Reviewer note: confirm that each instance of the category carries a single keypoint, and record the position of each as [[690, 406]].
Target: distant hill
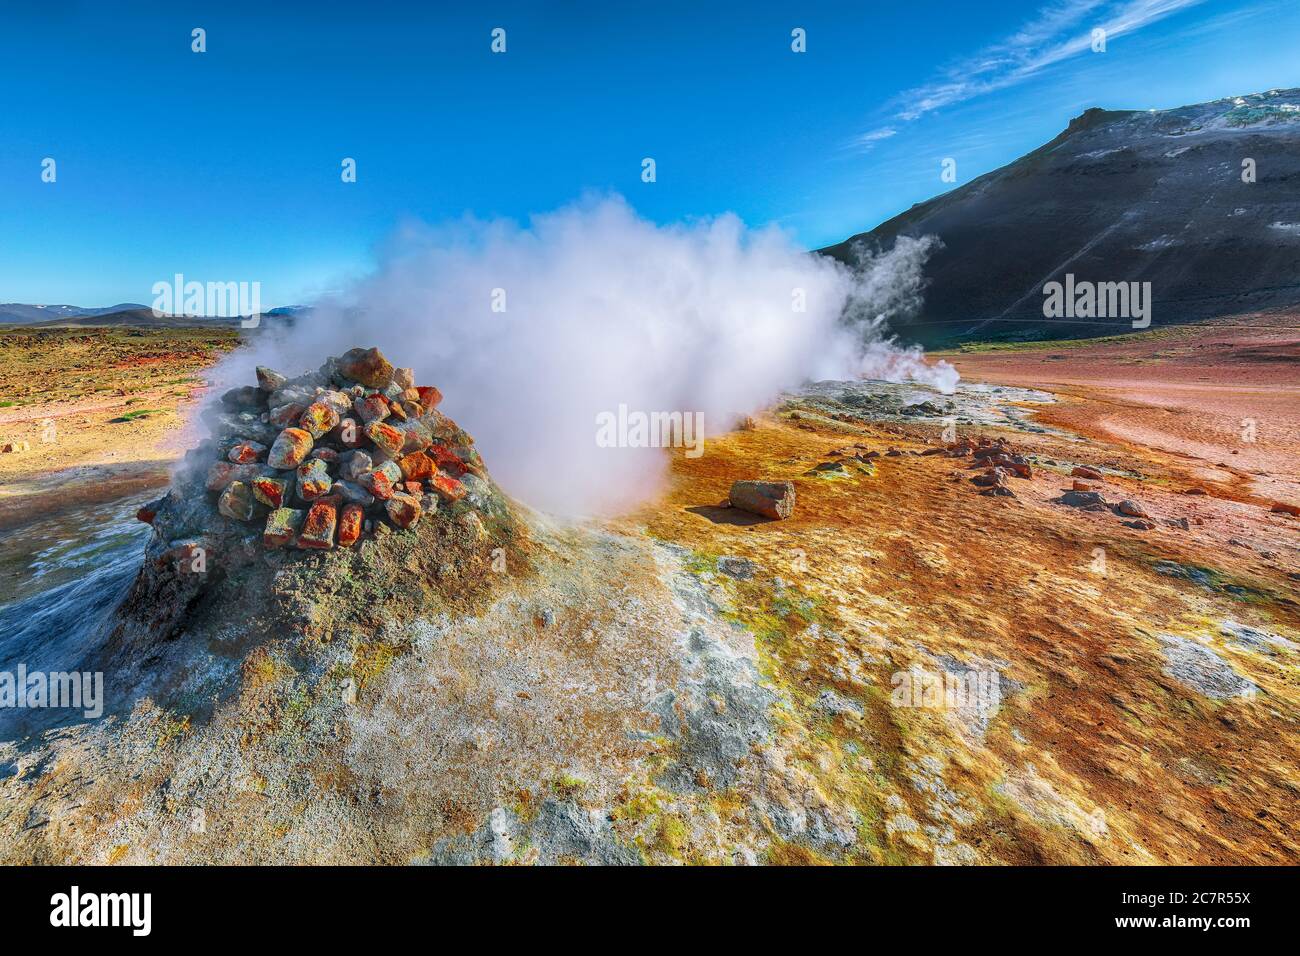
[[49, 316], [1119, 196], [142, 316], [16, 313]]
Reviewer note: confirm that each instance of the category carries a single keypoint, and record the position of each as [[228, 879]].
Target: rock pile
[[996, 461], [318, 459]]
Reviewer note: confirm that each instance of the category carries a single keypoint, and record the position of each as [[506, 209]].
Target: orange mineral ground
[[1102, 754]]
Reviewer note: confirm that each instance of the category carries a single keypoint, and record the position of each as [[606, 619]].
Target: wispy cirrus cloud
[[868, 140], [1057, 32]]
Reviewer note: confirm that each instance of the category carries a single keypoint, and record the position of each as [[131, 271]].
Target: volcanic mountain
[[1201, 201]]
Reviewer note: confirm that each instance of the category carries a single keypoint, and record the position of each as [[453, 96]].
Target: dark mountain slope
[[1119, 196]]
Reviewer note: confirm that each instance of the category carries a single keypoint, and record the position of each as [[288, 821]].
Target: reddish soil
[[1220, 401]]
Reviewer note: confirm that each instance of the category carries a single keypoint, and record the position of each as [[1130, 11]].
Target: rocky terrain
[[100, 411], [1102, 636], [1118, 196]]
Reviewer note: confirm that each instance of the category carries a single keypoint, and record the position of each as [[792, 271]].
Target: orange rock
[[417, 466], [350, 525], [246, 452], [1285, 509], [313, 479], [1083, 471], [367, 366], [291, 448], [386, 438], [447, 487], [318, 528]]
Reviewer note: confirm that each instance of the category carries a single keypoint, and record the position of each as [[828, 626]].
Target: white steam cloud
[[602, 309]]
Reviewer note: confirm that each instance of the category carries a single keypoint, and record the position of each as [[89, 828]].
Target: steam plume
[[604, 308]]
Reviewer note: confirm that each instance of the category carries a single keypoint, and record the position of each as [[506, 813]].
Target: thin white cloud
[[1057, 32], [868, 140]]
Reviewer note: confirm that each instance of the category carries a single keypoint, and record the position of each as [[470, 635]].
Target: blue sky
[[225, 165]]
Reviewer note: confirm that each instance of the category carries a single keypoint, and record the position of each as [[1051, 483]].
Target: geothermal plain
[[686, 683]]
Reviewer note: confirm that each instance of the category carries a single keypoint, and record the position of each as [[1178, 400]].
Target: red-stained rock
[[1083, 471], [146, 514], [350, 525], [413, 488], [318, 419], [403, 509], [1282, 508], [382, 481], [447, 487], [270, 491], [386, 438], [429, 397], [446, 459], [328, 455], [313, 479], [246, 452], [291, 449], [318, 527], [367, 366], [417, 466]]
